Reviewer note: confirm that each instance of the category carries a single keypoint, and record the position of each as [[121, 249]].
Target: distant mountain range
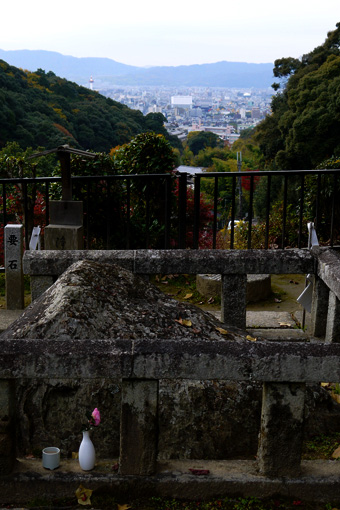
[[110, 72]]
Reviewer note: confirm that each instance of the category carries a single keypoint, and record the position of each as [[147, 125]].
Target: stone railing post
[[281, 434], [7, 430], [333, 319], [138, 427], [233, 299], [319, 307], [13, 267]]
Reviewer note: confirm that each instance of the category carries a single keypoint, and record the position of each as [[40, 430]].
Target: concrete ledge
[[319, 481], [55, 262], [243, 360], [328, 268]]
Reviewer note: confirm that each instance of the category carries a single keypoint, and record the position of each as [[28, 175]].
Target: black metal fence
[[169, 211]]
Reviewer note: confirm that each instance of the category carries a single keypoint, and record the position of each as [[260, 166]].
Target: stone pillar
[[7, 429], [138, 427], [65, 231], [281, 434], [13, 267], [234, 299], [63, 237], [319, 308], [333, 319]]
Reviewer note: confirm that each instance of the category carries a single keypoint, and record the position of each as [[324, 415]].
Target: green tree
[[147, 153], [198, 140], [304, 125]]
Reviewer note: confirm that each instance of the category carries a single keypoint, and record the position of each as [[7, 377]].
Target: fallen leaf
[[184, 322], [187, 323], [222, 331], [187, 296], [165, 283], [199, 472], [74, 455], [285, 324], [164, 278], [251, 338], [83, 495], [123, 507], [196, 330], [115, 467], [30, 456], [336, 397], [336, 453], [211, 300], [325, 384], [277, 300]]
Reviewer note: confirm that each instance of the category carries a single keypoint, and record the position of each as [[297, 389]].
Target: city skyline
[[182, 33]]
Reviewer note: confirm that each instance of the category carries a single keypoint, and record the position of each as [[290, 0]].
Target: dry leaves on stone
[[222, 331], [251, 338], [285, 324], [83, 495], [184, 322]]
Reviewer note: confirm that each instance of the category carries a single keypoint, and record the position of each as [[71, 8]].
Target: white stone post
[[13, 267]]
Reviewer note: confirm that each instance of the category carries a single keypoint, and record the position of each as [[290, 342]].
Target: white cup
[[51, 457]]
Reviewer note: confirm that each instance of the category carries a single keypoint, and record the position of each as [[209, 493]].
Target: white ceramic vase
[[87, 454]]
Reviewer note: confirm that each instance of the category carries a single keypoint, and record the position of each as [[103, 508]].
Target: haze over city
[[151, 33]]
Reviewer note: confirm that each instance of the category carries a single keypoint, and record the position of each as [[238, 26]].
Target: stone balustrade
[[284, 368]]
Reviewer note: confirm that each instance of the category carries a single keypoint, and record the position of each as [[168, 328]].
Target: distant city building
[[255, 113], [155, 109], [181, 101]]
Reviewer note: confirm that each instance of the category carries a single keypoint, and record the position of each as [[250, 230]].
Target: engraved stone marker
[[13, 267]]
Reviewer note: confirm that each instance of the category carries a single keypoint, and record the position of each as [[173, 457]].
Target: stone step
[[258, 286]]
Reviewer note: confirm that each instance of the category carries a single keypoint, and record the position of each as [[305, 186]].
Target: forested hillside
[[304, 128], [42, 110]]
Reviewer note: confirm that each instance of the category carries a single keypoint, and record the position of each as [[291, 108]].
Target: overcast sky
[[150, 32]]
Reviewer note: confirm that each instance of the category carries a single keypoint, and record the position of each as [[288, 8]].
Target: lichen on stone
[[99, 301]]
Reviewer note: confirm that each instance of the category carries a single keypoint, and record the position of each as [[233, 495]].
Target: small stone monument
[[65, 231], [13, 267]]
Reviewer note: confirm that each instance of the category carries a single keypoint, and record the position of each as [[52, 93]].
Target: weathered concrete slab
[[318, 481], [266, 320], [181, 358], [280, 335], [258, 286], [328, 267], [172, 261], [56, 262]]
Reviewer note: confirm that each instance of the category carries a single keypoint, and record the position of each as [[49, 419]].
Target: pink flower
[[96, 416]]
